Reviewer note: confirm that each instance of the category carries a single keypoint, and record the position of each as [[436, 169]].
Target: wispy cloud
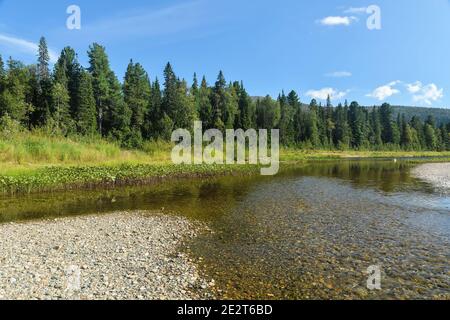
[[24, 46], [324, 93], [337, 21], [348, 17], [357, 10], [152, 22], [385, 91], [339, 74]]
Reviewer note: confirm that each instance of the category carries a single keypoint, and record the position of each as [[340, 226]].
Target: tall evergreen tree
[[387, 134], [287, 129], [42, 111], [137, 91], [61, 108], [195, 88], [219, 102], [204, 105], [2, 71], [68, 72], [100, 71], [342, 133], [376, 128], [43, 60], [171, 98], [154, 124], [312, 127], [330, 124], [86, 116]]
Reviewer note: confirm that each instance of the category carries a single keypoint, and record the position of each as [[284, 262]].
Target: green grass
[[27, 148], [31, 162], [67, 178], [292, 155]]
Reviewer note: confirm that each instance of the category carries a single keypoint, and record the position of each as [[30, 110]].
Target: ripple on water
[[310, 232]]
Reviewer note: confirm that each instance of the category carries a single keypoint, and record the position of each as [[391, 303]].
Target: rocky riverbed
[[126, 255], [437, 174]]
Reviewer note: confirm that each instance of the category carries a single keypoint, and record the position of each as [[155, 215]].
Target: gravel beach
[[437, 174], [126, 255]]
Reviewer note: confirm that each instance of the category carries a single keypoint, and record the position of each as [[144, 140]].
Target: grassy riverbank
[[35, 162]]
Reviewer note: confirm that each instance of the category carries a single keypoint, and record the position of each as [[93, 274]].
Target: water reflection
[[309, 232]]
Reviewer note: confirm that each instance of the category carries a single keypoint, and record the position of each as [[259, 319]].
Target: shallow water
[[310, 232]]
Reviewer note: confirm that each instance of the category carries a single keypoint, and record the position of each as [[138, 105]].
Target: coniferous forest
[[73, 100]]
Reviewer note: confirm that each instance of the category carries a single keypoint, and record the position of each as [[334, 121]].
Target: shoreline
[[436, 174], [122, 255], [50, 178]]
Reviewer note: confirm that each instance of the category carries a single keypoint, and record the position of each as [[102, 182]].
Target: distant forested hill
[[441, 115]]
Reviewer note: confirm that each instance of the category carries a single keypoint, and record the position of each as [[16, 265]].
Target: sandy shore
[[437, 174], [117, 256]]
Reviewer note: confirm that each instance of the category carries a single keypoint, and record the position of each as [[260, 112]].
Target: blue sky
[[315, 47]]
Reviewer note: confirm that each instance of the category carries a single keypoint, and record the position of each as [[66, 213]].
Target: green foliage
[[86, 118], [67, 178], [74, 101], [267, 113], [136, 89]]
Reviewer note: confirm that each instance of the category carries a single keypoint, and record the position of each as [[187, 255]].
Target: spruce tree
[[2, 81], [68, 72], [219, 102], [288, 110], [356, 121], [2, 72], [137, 90], [246, 116], [42, 111], [171, 98], [61, 108], [86, 112], [204, 105], [342, 136], [185, 114], [312, 128], [376, 127], [194, 88], [330, 124], [100, 71], [388, 133], [43, 60], [118, 116], [154, 123], [430, 137]]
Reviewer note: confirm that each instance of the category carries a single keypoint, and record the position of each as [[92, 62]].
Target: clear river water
[[310, 232]]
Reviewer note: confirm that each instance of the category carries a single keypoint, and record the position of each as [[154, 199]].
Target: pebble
[[105, 262]]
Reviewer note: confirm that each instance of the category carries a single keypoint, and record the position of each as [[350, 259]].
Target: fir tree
[[86, 112], [204, 105], [136, 89]]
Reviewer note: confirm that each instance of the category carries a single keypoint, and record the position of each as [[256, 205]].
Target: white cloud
[[359, 10], [25, 46], [425, 94], [323, 94], [337, 21], [145, 22], [385, 91], [414, 87], [339, 74]]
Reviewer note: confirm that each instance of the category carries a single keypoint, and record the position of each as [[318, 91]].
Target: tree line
[[91, 101]]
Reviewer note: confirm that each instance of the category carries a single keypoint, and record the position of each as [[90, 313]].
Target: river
[[311, 232]]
